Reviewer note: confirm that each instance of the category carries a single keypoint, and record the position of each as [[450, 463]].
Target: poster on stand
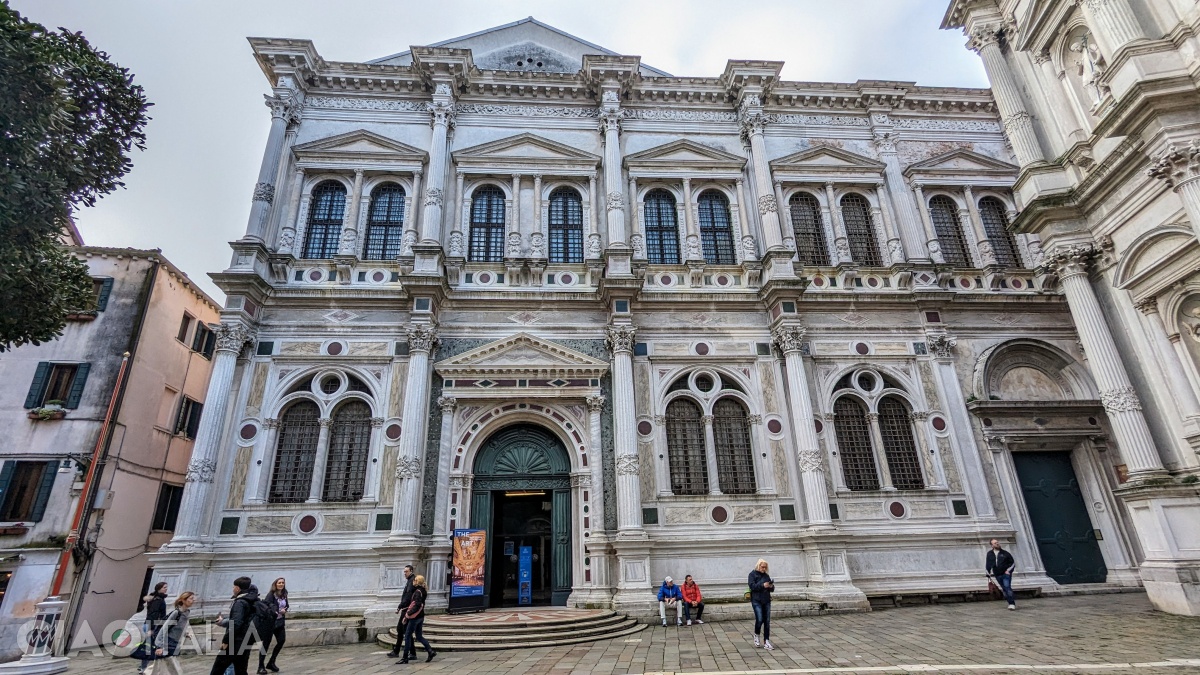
[[467, 592]]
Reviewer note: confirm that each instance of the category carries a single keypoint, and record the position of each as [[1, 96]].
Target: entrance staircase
[[516, 629]]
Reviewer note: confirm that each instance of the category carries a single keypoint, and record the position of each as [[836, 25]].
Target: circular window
[[862, 349], [308, 524], [939, 423], [644, 428], [704, 382], [331, 383], [720, 514], [896, 509], [334, 348], [247, 432], [702, 350], [392, 432], [774, 426], [866, 382]]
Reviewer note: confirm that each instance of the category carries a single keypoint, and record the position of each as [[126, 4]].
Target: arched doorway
[[521, 494]]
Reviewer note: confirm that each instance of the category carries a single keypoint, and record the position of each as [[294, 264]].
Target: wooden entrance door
[[1066, 539]]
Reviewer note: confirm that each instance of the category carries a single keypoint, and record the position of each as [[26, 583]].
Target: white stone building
[[649, 325]]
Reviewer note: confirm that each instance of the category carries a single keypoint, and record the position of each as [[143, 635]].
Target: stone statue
[[1090, 67]]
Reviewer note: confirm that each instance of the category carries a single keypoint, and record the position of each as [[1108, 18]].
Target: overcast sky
[[189, 192]]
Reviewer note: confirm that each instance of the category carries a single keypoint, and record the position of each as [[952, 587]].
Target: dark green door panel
[[1066, 539]]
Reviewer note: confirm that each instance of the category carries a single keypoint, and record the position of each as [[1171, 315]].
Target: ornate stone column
[[932, 245], [442, 115], [629, 484], [1018, 124], [411, 227], [537, 240], [317, 484], [283, 108], [749, 248], [374, 461], [441, 504], [261, 471], [202, 469], [457, 245], [841, 241], [987, 253], [1116, 392], [893, 246], [909, 234], [610, 128], [410, 471], [514, 226], [349, 243], [1180, 168], [753, 121], [692, 248], [885, 469], [789, 339], [595, 406], [710, 455], [287, 232], [594, 244], [941, 347], [1113, 21]]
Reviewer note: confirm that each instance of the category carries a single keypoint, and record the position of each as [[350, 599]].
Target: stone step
[[508, 629], [469, 619], [562, 632], [529, 642], [513, 629]]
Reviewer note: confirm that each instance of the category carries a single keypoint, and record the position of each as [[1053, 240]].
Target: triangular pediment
[[522, 355], [684, 153], [524, 150], [361, 144], [823, 157], [963, 161]]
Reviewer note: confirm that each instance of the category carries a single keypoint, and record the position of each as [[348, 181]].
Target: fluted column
[[593, 248], [282, 109], [349, 243], [908, 228], [441, 503], [629, 484], [514, 225], [595, 406], [841, 241], [932, 245], [1113, 21], [441, 117], [610, 127], [411, 220], [457, 246], [1180, 168], [789, 338], [287, 233], [749, 249], [410, 465], [1117, 394], [753, 121], [893, 246], [987, 253], [202, 469], [1018, 124], [1183, 395], [537, 240], [317, 481], [692, 246]]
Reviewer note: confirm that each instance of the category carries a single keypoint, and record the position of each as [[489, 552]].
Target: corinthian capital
[[595, 403], [231, 337], [610, 119], [789, 338], [1176, 165], [422, 337], [282, 107], [441, 112], [984, 35], [447, 404], [620, 338], [941, 345], [751, 117], [1068, 260]]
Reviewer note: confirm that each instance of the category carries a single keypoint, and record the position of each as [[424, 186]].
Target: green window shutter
[[6, 474], [105, 291], [43, 493], [81, 374], [193, 427], [38, 387]]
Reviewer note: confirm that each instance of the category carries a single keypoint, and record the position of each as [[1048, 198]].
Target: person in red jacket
[[692, 600]]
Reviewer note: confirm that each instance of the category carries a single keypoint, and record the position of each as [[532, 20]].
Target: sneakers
[[768, 646], [664, 623], [689, 622], [678, 622], [756, 642], [1012, 606], [699, 621]]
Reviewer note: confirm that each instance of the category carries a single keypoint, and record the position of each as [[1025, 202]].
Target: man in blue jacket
[[669, 595]]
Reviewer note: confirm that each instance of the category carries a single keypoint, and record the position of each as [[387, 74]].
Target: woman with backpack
[[277, 599], [414, 620], [170, 637], [761, 587]]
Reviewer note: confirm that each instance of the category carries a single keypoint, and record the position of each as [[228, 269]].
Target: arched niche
[[1030, 370]]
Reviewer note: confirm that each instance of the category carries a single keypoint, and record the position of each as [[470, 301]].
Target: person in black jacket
[[761, 587], [156, 612], [277, 598], [237, 643], [414, 619], [1000, 564], [405, 600]]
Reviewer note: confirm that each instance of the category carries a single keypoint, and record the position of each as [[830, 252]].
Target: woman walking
[[170, 637], [414, 620], [761, 587], [277, 598]]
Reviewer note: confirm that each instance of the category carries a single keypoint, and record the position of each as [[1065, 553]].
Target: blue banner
[[525, 576]]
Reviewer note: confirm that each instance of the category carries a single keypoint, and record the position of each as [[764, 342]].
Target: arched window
[[662, 228], [899, 446], [735, 457], [856, 216], [487, 225], [685, 448], [349, 446], [716, 231], [566, 226], [385, 223], [854, 441], [326, 208], [808, 229], [946, 224], [295, 454], [995, 226]]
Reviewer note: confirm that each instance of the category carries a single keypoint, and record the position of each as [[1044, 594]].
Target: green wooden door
[[1065, 537]]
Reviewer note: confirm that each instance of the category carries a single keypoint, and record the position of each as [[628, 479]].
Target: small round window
[[866, 382], [330, 384], [704, 383]]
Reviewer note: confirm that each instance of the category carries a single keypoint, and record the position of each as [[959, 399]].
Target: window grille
[[898, 445], [716, 230], [685, 449], [327, 207], [385, 223], [854, 442], [487, 225], [662, 228], [566, 226], [299, 429], [735, 457], [995, 226], [809, 230], [946, 224], [349, 445], [856, 216]]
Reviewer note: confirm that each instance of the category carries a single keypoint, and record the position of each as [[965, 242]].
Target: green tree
[[69, 119]]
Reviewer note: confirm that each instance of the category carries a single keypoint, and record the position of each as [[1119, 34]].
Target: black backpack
[[263, 619]]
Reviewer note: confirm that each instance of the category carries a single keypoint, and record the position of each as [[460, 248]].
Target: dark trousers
[[412, 631], [223, 661], [762, 618], [1004, 581], [687, 611], [278, 636], [400, 630]]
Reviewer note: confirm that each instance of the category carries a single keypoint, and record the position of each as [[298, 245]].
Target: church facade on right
[[1099, 99]]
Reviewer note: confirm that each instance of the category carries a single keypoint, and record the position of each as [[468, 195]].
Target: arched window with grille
[[295, 453], [686, 454], [662, 228], [856, 216], [854, 443], [899, 446], [349, 447], [326, 208], [487, 225], [735, 456], [948, 227], [385, 223], [716, 229], [566, 226], [995, 226], [808, 229]]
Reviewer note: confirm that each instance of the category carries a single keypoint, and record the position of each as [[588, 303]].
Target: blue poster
[[470, 552], [525, 576]]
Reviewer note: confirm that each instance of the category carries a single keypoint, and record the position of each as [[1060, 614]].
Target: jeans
[[1004, 581], [662, 610], [687, 611], [400, 630], [279, 636], [762, 618], [412, 630]]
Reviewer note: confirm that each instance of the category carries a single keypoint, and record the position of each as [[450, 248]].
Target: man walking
[[405, 600], [237, 643], [1000, 564]]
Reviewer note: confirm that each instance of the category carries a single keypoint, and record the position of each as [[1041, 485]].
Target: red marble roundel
[[566, 278], [315, 275], [378, 276], [862, 348], [308, 524], [818, 281], [896, 509], [644, 428], [702, 349], [719, 514], [485, 278], [774, 426], [334, 348], [248, 431], [939, 423], [392, 432]]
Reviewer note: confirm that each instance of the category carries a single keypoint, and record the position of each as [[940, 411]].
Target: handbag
[[143, 652], [994, 590]]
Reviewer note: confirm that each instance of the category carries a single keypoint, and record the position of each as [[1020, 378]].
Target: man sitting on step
[[670, 596], [693, 601]]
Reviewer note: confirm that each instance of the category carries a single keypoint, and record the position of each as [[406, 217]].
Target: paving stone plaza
[[1075, 634]]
